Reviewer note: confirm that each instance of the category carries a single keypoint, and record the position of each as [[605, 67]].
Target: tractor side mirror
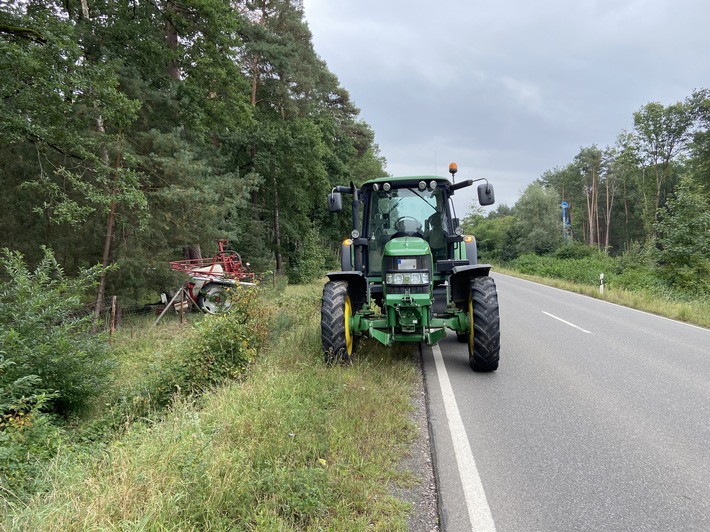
[[335, 202], [486, 196]]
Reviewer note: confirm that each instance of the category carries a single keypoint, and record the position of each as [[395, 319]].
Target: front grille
[[403, 289]]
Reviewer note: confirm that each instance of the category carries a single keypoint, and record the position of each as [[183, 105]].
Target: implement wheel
[[214, 298], [484, 325], [336, 311]]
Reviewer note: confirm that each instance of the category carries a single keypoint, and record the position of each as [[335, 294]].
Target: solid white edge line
[[479, 513], [566, 322]]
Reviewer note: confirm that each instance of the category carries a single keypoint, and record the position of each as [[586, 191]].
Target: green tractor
[[408, 271]]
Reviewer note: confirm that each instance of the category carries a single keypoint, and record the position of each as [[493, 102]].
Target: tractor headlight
[[407, 278], [394, 278]]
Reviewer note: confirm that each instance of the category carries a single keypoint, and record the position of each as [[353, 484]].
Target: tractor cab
[[407, 207], [420, 210]]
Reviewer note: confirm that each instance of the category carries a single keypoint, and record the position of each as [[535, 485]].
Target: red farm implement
[[209, 279]]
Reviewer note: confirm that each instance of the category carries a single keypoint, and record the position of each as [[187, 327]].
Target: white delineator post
[[601, 283]]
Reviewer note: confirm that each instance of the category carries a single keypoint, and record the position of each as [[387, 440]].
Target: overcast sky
[[507, 88]]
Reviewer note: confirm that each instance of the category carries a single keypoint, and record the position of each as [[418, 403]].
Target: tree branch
[[24, 33]]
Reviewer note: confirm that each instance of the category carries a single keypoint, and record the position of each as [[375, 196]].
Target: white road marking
[[479, 513], [566, 322], [604, 302]]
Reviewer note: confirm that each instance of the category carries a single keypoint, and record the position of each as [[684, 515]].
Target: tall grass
[[294, 445], [628, 281]]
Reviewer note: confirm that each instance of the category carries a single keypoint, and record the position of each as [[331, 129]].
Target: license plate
[[406, 264]]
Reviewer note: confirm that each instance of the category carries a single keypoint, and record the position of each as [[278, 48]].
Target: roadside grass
[[292, 445], [696, 312]]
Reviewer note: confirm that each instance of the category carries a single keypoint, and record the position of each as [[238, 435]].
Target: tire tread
[[333, 321], [486, 330]]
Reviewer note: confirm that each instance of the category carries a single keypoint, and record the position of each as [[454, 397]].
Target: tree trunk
[[98, 306], [110, 223], [595, 203], [192, 252], [627, 243], [647, 214], [171, 38], [660, 178], [590, 216], [277, 231], [610, 194], [254, 79]]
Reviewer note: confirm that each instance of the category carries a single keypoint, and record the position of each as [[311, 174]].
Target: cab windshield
[[406, 212]]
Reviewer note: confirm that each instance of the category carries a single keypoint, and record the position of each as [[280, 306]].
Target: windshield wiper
[[424, 199]]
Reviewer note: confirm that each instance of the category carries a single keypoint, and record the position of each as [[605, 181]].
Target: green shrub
[[27, 435], [574, 250], [50, 363], [45, 338], [636, 269], [221, 351], [28, 438], [684, 239], [228, 342], [583, 270]]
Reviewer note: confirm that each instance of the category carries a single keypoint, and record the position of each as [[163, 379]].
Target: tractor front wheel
[[336, 311], [484, 325]]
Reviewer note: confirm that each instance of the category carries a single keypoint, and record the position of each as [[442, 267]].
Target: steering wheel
[[401, 226]]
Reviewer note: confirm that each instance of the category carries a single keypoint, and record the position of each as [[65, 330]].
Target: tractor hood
[[407, 246]]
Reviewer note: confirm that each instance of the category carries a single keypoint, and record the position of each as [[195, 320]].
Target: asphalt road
[[597, 419]]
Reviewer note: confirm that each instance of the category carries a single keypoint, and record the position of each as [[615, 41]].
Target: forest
[[139, 132], [641, 206]]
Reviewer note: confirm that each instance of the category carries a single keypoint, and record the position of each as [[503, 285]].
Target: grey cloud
[[512, 88]]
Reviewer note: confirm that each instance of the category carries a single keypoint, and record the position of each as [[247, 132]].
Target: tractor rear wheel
[[484, 325], [336, 311]]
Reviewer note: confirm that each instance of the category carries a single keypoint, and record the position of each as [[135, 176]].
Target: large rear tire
[[336, 310], [484, 325]]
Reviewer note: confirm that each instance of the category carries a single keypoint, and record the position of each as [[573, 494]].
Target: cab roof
[[407, 180]]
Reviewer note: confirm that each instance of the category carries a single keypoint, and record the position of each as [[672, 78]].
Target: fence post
[[112, 325], [182, 305], [168, 306]]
